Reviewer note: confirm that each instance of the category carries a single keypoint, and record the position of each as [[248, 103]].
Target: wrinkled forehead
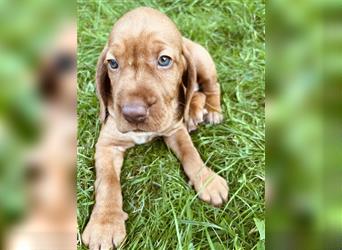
[[144, 45], [146, 27]]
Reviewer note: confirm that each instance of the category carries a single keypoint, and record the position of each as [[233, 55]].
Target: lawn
[[164, 212]]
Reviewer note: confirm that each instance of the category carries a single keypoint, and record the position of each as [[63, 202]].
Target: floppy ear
[[189, 81], [103, 87]]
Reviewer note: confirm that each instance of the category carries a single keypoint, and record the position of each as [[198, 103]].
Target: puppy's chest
[[141, 137]]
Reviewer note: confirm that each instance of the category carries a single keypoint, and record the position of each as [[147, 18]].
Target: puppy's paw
[[196, 117], [213, 117], [211, 187], [105, 231]]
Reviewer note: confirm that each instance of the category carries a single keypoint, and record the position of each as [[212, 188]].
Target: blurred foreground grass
[[303, 114], [26, 28]]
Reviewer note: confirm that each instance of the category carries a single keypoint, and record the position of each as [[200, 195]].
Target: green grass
[[164, 212]]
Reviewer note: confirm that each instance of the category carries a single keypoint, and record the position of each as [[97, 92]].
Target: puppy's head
[[145, 76]]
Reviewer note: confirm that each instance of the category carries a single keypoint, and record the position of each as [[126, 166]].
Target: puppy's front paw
[[213, 117], [105, 230], [211, 187], [196, 117]]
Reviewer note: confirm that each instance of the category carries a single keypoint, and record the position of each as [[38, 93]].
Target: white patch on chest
[[141, 137]]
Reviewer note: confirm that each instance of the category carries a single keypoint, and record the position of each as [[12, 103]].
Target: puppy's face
[[144, 64], [145, 74]]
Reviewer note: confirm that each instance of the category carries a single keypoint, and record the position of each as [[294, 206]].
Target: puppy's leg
[[106, 226], [211, 187], [207, 79], [196, 111], [211, 89]]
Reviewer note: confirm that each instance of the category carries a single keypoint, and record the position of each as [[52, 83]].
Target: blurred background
[[37, 124], [303, 118]]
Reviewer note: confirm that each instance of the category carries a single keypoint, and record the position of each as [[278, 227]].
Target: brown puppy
[[146, 81]]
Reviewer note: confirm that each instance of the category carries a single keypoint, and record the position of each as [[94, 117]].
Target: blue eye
[[113, 63], [164, 61]]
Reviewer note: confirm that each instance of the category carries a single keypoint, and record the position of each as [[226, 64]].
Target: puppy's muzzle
[[135, 112]]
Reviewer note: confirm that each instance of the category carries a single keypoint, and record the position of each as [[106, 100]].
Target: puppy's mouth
[[134, 129], [138, 130], [140, 127], [137, 127], [137, 115]]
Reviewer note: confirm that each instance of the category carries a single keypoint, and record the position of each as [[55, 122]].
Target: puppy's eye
[[164, 61], [113, 63]]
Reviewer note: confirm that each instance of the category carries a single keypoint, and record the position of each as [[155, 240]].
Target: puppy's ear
[[189, 81], [103, 87]]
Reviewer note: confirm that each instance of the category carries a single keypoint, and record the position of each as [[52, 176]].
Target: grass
[[164, 212]]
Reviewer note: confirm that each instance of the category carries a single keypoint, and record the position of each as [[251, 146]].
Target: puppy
[[148, 79]]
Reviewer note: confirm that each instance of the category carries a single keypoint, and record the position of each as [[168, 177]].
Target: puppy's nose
[[134, 112]]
